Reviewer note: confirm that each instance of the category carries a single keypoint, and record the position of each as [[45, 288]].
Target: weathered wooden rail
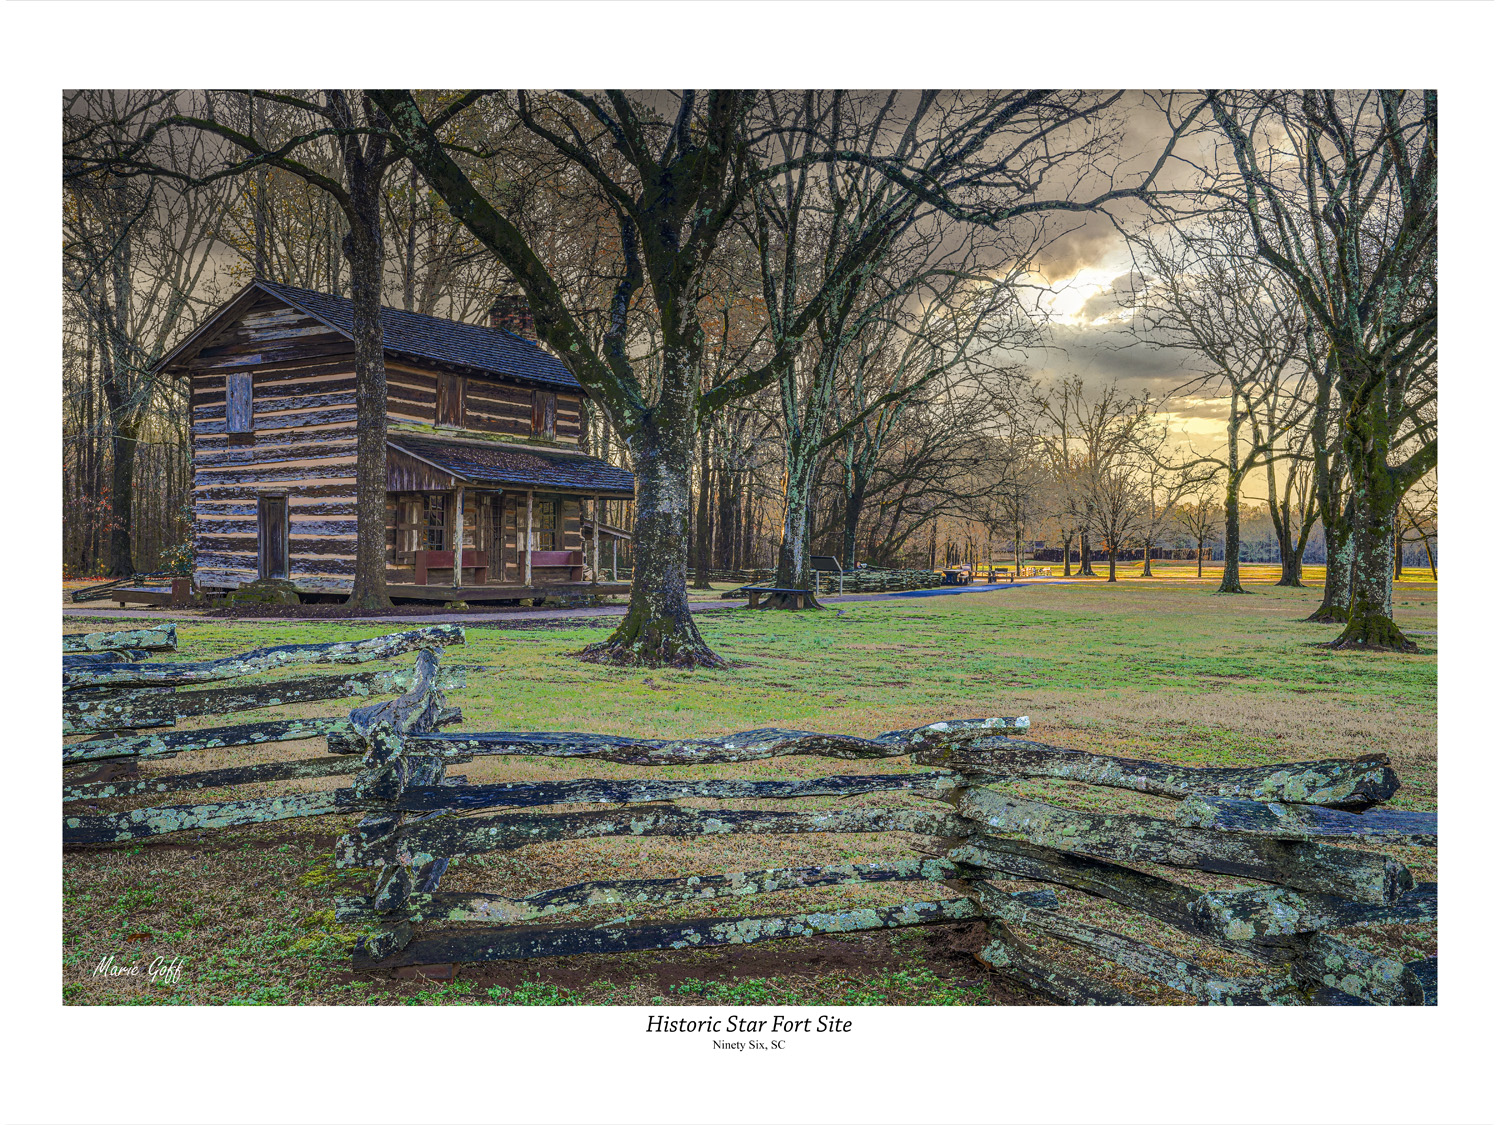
[[1282, 827], [123, 695]]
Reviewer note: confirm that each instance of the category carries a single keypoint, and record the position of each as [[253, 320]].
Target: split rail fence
[[1287, 829], [113, 695], [1279, 826]]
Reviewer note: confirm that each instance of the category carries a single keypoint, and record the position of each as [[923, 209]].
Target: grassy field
[[1163, 669]]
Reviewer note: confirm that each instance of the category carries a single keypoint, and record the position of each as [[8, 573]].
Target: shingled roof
[[431, 337], [509, 466]]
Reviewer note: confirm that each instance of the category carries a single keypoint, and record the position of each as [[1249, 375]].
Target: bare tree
[[137, 260], [1340, 191], [1203, 293]]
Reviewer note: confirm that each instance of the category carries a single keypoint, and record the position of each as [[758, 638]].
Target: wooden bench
[[800, 598], [179, 593], [477, 561], [554, 561]]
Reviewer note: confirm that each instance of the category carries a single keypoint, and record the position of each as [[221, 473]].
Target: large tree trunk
[[1146, 557], [1338, 542], [1068, 555], [1200, 558], [792, 571], [1230, 582], [1112, 556], [1375, 495], [1328, 473], [364, 249], [658, 628], [1085, 565], [1281, 522]]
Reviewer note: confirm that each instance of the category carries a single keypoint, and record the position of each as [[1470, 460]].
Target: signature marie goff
[[162, 970]]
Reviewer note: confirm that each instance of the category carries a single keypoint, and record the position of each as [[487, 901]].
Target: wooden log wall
[[424, 681], [302, 446], [1274, 826], [492, 405]]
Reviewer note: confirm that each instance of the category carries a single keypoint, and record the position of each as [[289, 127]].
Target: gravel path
[[520, 617]]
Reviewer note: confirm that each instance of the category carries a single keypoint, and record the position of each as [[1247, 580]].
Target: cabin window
[[450, 400], [435, 520], [238, 407], [544, 414], [546, 525]]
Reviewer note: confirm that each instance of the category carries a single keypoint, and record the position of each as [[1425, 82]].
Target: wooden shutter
[[450, 400], [238, 408], [543, 413]]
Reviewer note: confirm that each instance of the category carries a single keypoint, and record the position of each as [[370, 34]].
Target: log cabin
[[490, 496]]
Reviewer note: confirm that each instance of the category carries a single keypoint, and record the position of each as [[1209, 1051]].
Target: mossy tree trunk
[[1375, 491], [792, 570], [658, 626], [1230, 582]]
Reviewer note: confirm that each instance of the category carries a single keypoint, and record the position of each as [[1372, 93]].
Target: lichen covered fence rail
[[109, 690], [1008, 858]]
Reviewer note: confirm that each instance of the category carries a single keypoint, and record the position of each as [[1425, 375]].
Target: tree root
[[624, 654], [1373, 632]]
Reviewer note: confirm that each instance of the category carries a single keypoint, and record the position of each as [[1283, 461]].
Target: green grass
[[1164, 669]]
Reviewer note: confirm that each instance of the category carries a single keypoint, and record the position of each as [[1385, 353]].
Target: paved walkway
[[529, 615]]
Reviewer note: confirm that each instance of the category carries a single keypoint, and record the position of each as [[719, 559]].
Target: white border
[[1032, 1064]]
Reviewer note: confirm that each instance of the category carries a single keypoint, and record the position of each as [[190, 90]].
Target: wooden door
[[273, 536]]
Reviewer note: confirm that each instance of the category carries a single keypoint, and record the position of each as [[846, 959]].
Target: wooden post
[[458, 537], [614, 560], [596, 540], [528, 539]]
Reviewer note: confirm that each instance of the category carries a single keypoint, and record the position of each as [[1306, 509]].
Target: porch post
[[528, 539], [614, 560], [596, 540], [458, 537]]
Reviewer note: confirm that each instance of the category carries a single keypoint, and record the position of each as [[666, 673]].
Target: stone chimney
[[512, 312]]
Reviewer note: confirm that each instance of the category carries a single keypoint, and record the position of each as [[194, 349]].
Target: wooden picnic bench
[[799, 598]]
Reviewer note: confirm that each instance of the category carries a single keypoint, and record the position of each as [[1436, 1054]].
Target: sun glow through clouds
[[1079, 301]]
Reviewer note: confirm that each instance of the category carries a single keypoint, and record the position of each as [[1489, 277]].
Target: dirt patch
[[947, 950], [211, 841], [317, 612]]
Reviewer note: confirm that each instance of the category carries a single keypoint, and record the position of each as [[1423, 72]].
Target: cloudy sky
[[1082, 274]]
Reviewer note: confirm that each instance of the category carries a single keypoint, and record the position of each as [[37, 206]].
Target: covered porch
[[477, 521]]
